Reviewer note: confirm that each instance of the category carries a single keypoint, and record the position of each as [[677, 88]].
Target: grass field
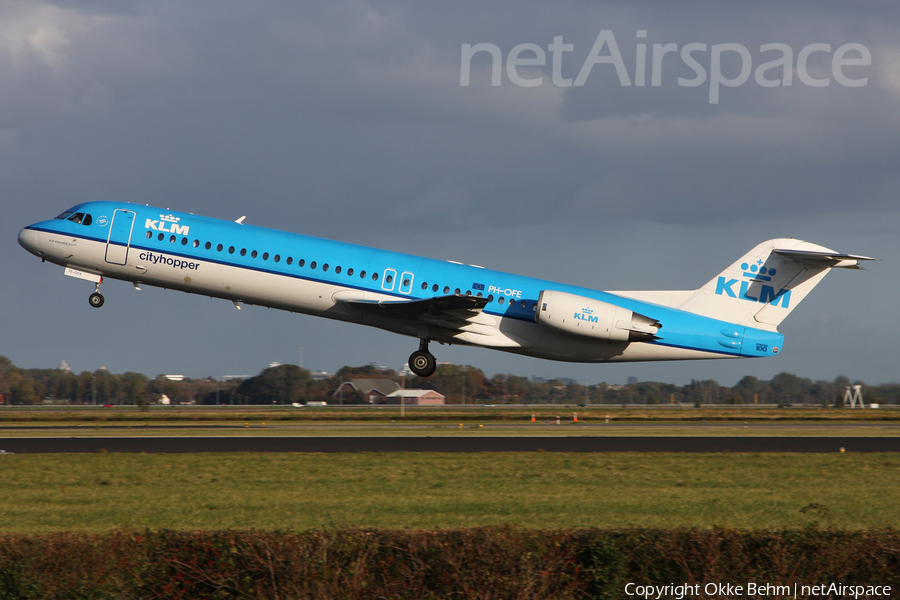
[[408, 427], [100, 492], [445, 421], [443, 414]]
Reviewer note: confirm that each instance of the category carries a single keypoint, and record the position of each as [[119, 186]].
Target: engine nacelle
[[593, 318]]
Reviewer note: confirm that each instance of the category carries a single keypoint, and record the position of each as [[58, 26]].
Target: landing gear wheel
[[96, 299], [422, 363]]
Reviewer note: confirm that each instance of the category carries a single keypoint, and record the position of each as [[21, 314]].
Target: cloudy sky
[[365, 122]]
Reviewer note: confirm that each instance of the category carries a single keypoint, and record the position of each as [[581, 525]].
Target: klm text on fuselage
[[766, 292]]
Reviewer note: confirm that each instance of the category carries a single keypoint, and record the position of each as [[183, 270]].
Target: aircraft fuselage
[[402, 293]]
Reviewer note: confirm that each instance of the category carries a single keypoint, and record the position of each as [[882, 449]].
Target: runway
[[182, 445]]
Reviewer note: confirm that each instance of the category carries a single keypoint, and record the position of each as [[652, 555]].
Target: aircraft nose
[[31, 241]]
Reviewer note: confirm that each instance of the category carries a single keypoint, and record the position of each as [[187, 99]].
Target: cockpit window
[[80, 218]]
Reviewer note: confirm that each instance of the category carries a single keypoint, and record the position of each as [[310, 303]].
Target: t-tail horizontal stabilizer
[[824, 259]]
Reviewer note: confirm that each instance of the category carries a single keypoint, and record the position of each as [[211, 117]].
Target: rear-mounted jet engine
[[594, 318]]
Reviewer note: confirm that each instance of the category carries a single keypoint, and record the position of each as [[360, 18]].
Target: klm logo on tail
[[754, 273]]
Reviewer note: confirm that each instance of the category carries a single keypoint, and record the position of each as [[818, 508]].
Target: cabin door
[[119, 239]]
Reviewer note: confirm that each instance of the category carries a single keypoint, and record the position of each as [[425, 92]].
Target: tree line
[[460, 384]]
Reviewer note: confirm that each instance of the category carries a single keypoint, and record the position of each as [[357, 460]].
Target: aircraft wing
[[439, 308], [459, 318]]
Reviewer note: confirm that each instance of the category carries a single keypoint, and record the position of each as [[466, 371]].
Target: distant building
[[373, 391], [386, 391], [415, 397], [64, 366]]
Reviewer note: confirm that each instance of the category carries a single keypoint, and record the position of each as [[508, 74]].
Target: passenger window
[[301, 262], [172, 239], [149, 234], [446, 289], [523, 304], [434, 288], [219, 248], [325, 267], [277, 258], [312, 265], [184, 241], [349, 272], [424, 285], [374, 276], [243, 252], [389, 279], [490, 298], [196, 242], [289, 260], [337, 270], [160, 237], [502, 300], [208, 245], [265, 256], [230, 249], [362, 274]]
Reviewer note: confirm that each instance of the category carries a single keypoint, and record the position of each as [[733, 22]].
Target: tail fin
[[767, 283]]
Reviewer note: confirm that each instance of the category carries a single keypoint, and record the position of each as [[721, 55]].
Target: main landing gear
[[96, 299], [422, 362]]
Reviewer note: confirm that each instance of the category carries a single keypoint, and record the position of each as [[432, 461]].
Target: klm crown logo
[[754, 273]]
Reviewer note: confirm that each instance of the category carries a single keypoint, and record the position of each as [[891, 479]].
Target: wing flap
[[459, 307], [454, 318]]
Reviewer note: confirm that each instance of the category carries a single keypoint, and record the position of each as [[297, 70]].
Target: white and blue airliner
[[735, 315]]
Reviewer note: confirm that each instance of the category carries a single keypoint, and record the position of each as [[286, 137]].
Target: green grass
[[446, 414], [411, 427], [101, 492]]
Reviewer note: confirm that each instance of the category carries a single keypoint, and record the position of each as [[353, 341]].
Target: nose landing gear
[[422, 362], [96, 299]]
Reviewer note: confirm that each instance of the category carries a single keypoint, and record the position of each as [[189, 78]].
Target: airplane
[[734, 315]]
